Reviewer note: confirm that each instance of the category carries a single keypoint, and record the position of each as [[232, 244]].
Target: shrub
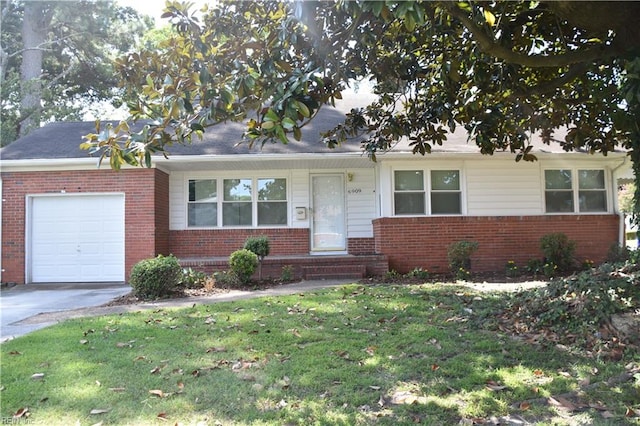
[[155, 277], [512, 269], [243, 264], [459, 255], [193, 279], [558, 250], [419, 273], [258, 245], [226, 279], [287, 273]]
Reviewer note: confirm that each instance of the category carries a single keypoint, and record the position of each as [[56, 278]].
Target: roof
[[61, 140]]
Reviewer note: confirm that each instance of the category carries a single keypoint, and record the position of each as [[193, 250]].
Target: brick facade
[[146, 209], [207, 243], [422, 241]]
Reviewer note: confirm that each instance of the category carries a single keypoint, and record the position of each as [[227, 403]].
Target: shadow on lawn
[[382, 354]]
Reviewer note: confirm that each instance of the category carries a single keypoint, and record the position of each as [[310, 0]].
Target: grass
[[354, 355]]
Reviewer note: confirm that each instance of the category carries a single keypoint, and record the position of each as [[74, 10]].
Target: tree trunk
[[34, 30]]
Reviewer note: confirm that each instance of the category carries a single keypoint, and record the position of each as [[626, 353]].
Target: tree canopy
[[502, 70], [56, 58]]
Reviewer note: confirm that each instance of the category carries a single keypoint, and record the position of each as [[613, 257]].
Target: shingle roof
[[61, 140]]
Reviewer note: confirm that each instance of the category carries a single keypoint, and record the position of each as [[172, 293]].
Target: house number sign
[[354, 191]]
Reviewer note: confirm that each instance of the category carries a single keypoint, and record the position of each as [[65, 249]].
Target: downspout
[[622, 236]]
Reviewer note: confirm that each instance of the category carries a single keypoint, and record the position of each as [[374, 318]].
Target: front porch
[[305, 267]]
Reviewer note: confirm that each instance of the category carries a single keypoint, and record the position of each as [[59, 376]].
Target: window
[[236, 203], [409, 197], [592, 195], [244, 202], [558, 191], [561, 195], [202, 209], [272, 202], [445, 192]]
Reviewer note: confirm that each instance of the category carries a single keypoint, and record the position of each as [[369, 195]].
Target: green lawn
[[354, 355]]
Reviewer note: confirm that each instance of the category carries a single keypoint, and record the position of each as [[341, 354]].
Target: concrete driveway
[[24, 301]]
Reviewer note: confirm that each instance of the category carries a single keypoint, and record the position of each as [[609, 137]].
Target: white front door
[[76, 238], [328, 227]]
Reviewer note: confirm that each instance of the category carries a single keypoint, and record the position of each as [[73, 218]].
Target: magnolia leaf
[[216, 349], [22, 412], [37, 376], [162, 416], [155, 370], [99, 411], [490, 18], [157, 392]]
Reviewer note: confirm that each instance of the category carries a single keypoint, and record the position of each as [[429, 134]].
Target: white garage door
[[77, 238]]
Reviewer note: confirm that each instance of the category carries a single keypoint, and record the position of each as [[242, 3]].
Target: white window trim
[[428, 190], [576, 190], [220, 178]]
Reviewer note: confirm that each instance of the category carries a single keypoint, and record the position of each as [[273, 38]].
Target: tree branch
[[489, 46]]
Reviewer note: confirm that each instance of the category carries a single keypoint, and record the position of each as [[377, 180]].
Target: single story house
[[326, 212]]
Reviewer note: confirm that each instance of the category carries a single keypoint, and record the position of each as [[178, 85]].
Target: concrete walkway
[[26, 308]]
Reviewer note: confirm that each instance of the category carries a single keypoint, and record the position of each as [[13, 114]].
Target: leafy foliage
[[558, 250], [258, 245], [192, 278], [577, 307], [76, 73], [155, 277], [243, 264], [459, 256]]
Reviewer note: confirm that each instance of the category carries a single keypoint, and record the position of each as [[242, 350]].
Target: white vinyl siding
[[503, 188], [360, 196], [361, 203]]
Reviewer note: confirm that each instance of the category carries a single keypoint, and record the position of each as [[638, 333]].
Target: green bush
[[258, 245], [243, 264], [558, 250], [459, 255], [287, 273], [155, 277], [193, 279]]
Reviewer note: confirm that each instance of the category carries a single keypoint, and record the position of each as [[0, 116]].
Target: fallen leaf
[[37, 376], [139, 358], [84, 342], [216, 349], [524, 406], [155, 370], [122, 345], [375, 388], [180, 385], [99, 411], [631, 412], [494, 386], [157, 392], [195, 373], [117, 389], [23, 412], [162, 416], [434, 367], [15, 353], [538, 373], [98, 383], [558, 401]]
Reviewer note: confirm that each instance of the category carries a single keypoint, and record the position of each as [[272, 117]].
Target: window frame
[[220, 202], [576, 190], [428, 190]]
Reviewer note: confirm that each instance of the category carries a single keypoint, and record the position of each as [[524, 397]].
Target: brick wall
[[146, 209], [222, 242], [361, 246], [423, 241]]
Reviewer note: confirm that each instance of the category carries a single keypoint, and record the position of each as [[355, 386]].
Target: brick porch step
[[334, 271]]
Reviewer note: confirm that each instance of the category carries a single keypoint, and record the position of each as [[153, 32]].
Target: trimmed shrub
[[258, 245], [243, 264], [558, 250], [155, 277]]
